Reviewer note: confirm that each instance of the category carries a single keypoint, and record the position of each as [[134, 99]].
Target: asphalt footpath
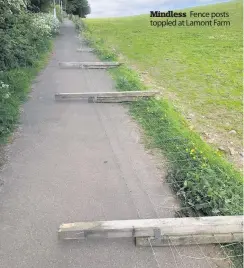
[[80, 161]]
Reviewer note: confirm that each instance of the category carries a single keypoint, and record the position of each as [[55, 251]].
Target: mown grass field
[[199, 69]]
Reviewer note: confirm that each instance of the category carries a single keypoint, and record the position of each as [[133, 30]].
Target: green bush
[[25, 38], [78, 22]]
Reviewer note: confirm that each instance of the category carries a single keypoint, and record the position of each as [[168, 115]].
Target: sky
[[121, 8]]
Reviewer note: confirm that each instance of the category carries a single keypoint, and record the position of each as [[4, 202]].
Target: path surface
[[74, 161]]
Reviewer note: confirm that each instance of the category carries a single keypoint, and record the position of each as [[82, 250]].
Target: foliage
[[14, 87], [12, 6], [77, 21], [7, 11], [76, 7], [8, 111], [39, 5], [59, 13], [80, 8], [45, 24], [25, 38]]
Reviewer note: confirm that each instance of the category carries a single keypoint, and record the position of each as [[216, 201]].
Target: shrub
[[45, 24], [8, 110], [24, 38]]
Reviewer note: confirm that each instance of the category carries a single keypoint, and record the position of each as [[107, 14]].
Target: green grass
[[203, 178], [199, 69], [19, 81], [205, 182]]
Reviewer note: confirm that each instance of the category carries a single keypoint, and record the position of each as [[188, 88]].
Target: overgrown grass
[[199, 69], [206, 183], [19, 81]]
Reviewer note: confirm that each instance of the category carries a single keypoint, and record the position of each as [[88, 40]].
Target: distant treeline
[[75, 7]]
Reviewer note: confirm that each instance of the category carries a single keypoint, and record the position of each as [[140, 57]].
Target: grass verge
[[206, 183], [19, 81], [205, 179]]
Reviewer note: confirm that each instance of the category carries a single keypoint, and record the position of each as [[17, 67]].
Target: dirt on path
[[77, 161]]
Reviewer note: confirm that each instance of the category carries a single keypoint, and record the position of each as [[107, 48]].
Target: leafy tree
[[80, 8], [7, 11], [76, 7], [39, 5]]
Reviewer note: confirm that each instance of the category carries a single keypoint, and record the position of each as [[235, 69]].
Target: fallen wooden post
[[115, 99], [181, 240], [161, 232], [85, 50], [107, 97], [89, 65]]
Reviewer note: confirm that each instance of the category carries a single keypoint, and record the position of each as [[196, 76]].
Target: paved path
[[74, 161]]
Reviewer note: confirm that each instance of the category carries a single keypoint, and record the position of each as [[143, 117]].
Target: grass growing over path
[[199, 69], [19, 81]]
